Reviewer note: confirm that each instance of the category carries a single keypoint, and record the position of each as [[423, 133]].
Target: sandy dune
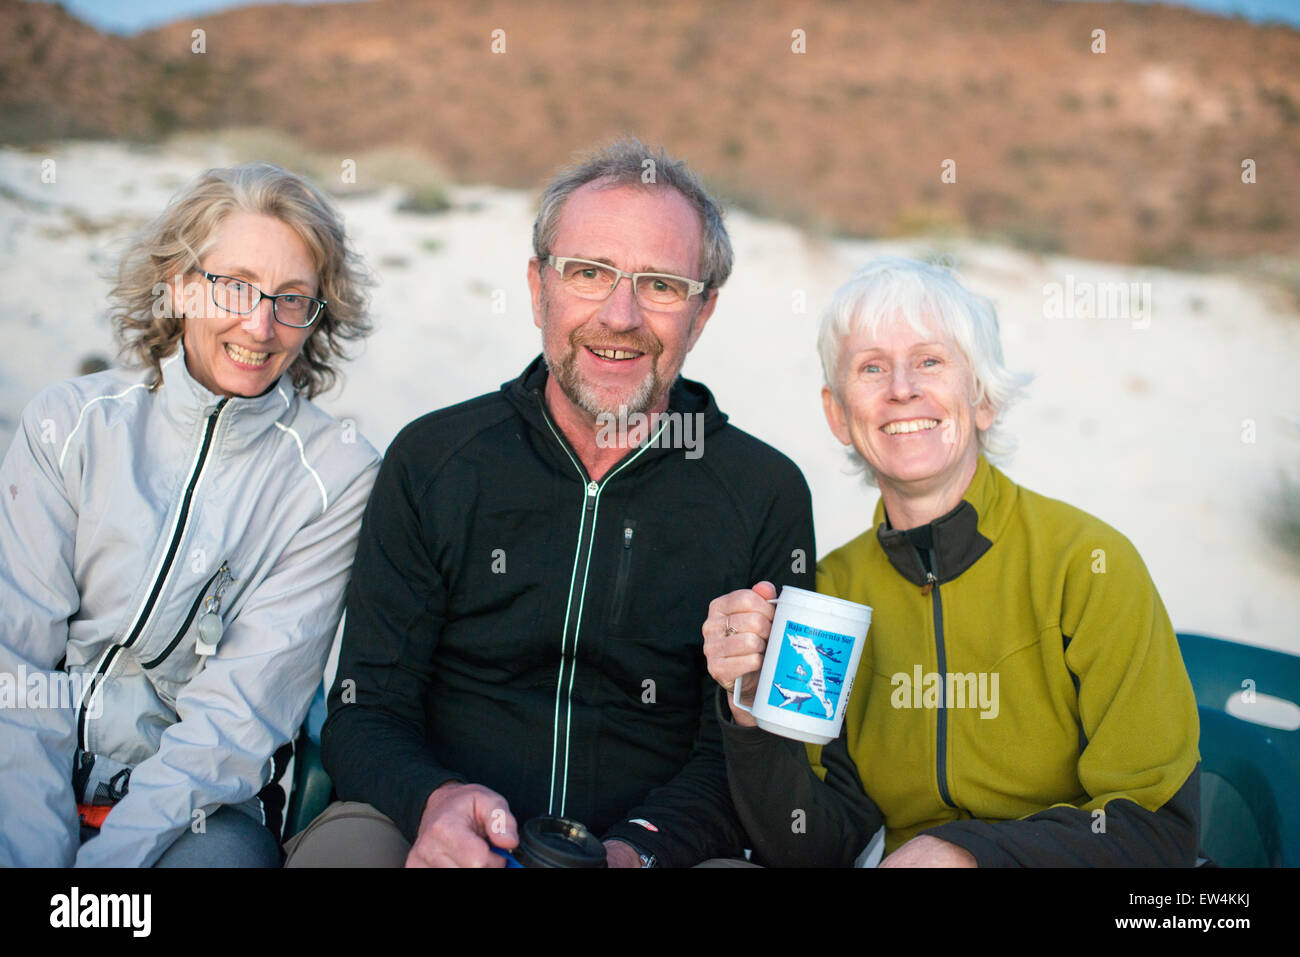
[[1140, 420]]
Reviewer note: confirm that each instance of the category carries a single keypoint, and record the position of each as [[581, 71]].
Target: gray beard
[[564, 370]]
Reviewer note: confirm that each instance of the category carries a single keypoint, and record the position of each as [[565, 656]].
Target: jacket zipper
[[574, 607], [198, 600], [941, 762], [142, 616], [624, 566]]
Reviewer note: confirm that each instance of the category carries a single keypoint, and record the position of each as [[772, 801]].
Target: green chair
[[1250, 751], [311, 785]]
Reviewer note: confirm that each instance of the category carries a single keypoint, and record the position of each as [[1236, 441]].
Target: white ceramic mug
[[808, 669]]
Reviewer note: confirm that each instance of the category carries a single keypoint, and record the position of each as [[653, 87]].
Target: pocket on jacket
[[619, 596]]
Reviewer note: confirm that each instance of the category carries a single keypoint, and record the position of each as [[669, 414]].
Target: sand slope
[[1138, 420]]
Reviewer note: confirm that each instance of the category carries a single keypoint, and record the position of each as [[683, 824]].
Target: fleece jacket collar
[[961, 536]]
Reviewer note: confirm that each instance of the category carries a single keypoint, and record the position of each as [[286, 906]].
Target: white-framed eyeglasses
[[596, 281]]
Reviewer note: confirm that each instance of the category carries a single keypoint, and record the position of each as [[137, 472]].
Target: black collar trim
[[958, 545]]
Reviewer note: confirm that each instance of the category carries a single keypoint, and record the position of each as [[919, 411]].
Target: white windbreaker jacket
[[125, 512]]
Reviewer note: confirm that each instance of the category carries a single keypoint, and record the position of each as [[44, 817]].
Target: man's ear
[[702, 317], [535, 268], [835, 416]]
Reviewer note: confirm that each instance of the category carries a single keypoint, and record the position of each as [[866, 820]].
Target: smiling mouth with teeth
[[245, 356], [615, 354], [911, 425]]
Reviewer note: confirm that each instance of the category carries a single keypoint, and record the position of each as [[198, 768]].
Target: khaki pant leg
[[348, 834]]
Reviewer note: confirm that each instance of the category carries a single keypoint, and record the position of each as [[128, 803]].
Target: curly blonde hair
[[174, 243]]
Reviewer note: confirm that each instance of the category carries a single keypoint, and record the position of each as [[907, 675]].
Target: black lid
[[558, 842]]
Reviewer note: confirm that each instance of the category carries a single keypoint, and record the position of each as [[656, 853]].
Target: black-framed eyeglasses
[[241, 297], [596, 281]]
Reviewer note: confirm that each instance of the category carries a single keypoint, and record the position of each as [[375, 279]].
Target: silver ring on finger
[[730, 630]]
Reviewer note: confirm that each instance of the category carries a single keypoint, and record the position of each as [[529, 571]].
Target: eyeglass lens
[[591, 281], [236, 296]]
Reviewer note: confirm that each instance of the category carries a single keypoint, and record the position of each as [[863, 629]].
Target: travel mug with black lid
[[558, 842]]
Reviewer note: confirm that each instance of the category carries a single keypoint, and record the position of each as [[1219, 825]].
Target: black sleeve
[[1125, 834], [794, 818], [693, 813], [373, 742]]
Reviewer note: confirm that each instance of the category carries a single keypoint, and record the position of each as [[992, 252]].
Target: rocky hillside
[[1134, 154]]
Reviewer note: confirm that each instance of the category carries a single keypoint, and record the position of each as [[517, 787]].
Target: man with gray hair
[[522, 630]]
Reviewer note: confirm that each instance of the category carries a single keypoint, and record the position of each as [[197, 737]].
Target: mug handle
[[735, 690], [735, 697]]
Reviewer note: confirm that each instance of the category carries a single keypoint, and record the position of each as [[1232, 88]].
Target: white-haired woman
[[1073, 739], [176, 540]]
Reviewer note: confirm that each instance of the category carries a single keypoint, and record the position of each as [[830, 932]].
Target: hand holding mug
[[807, 650], [735, 636]]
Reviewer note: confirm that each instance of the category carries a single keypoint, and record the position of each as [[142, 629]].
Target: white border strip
[[325, 500], [582, 601], [67, 442]]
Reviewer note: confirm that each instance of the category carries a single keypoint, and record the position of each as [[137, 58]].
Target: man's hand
[[618, 854], [458, 822], [735, 635], [926, 851]]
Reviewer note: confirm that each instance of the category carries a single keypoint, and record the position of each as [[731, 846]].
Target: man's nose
[[260, 323], [621, 311]]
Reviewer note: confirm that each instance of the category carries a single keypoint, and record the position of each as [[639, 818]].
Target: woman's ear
[[177, 290], [835, 416], [985, 415]]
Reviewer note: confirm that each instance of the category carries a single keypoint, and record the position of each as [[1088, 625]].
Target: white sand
[[1141, 426]]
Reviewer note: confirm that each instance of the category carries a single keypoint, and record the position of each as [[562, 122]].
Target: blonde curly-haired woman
[[176, 539]]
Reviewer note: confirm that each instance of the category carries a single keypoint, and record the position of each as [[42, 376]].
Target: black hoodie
[[512, 623]]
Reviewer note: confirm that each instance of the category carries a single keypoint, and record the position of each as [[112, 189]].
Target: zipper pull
[[627, 537], [931, 575], [592, 489]]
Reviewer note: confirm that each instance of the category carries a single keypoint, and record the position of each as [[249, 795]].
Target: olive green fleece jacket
[[1026, 700]]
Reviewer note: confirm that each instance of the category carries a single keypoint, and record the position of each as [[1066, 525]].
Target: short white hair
[[932, 300]]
